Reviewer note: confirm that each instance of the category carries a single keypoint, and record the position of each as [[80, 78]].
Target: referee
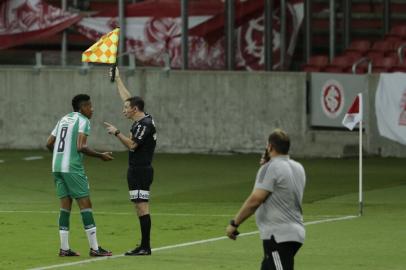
[[277, 203], [141, 144]]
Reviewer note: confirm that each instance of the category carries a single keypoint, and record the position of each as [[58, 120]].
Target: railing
[[400, 52], [360, 61]]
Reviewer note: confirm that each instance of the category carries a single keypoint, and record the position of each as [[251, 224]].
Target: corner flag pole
[[353, 117], [360, 170]]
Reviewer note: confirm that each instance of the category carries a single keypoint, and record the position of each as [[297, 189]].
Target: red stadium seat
[[373, 55], [392, 39], [381, 46], [308, 68], [399, 68], [340, 64], [354, 55], [361, 46], [398, 31], [384, 64], [396, 46], [316, 63]]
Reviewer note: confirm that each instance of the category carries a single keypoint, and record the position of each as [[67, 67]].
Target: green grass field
[[193, 198]]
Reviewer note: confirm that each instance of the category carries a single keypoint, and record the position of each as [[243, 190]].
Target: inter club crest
[[332, 98]]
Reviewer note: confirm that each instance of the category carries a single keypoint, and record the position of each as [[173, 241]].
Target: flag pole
[[113, 72], [360, 168]]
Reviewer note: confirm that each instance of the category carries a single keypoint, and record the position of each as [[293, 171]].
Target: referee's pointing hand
[[110, 128]]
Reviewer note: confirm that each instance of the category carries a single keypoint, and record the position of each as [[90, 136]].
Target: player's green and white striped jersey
[[66, 157]]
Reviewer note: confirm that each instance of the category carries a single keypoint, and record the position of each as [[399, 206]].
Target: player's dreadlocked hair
[[136, 102], [280, 141], [78, 100]]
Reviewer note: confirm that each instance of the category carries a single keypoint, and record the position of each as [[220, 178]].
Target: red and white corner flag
[[351, 119], [354, 114]]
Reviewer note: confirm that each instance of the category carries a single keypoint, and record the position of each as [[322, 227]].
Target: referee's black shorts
[[139, 180], [279, 256]]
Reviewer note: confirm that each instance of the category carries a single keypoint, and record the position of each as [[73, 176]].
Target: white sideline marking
[[33, 158], [120, 213], [183, 245], [155, 214]]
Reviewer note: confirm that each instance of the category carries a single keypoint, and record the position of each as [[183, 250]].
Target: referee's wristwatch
[[116, 132], [232, 223]]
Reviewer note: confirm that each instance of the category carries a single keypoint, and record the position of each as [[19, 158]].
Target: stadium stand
[[361, 46], [316, 63], [366, 26], [340, 64], [384, 64], [398, 31], [367, 34]]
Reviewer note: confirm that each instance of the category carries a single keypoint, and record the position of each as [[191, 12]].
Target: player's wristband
[[232, 223], [117, 132]]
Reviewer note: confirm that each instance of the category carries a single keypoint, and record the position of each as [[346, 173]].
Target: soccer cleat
[[100, 252], [67, 253], [138, 251]]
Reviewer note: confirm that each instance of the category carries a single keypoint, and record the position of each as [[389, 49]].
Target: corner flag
[[354, 114], [104, 50], [351, 119]]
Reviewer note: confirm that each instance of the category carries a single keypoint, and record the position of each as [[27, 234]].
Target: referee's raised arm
[[122, 90]]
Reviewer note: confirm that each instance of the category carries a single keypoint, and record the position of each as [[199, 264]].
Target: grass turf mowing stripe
[[183, 244]]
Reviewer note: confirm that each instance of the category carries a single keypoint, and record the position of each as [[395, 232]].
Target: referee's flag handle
[[113, 72]]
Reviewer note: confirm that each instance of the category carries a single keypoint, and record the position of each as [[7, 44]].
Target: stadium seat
[[381, 46], [354, 55], [399, 45], [308, 68], [361, 46], [400, 54], [374, 55], [316, 63], [340, 64], [399, 68], [384, 64], [397, 31], [392, 39]]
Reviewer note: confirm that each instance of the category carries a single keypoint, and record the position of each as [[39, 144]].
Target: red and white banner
[[153, 28], [24, 20], [390, 106], [354, 114]]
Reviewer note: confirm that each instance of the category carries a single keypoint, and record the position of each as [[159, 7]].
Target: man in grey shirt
[[277, 203]]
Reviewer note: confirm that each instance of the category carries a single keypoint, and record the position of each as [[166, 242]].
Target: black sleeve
[[140, 132]]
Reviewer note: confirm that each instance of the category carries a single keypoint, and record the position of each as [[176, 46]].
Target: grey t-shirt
[[280, 214]]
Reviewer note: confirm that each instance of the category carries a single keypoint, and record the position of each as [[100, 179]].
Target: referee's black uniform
[[140, 172]]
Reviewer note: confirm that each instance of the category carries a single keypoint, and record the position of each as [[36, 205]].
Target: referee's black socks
[[145, 223]]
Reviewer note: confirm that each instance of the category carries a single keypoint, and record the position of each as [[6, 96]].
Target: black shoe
[[100, 252], [138, 251], [67, 253]]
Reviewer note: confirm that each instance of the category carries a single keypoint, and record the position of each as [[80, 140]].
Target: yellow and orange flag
[[104, 50]]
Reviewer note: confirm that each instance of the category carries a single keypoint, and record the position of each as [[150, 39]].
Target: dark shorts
[[279, 255], [139, 181]]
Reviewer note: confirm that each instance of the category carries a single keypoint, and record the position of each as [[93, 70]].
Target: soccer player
[[68, 141], [141, 144], [277, 203]]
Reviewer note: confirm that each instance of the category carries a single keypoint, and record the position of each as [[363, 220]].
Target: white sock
[[91, 237], [64, 236]]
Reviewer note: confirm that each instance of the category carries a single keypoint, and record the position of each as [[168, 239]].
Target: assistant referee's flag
[[354, 114], [104, 50]]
